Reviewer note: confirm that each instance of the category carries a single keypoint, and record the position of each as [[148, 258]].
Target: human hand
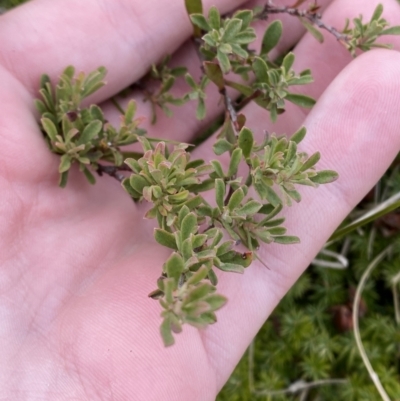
[[76, 264]]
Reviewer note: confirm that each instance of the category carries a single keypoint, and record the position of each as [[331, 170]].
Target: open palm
[[76, 264]]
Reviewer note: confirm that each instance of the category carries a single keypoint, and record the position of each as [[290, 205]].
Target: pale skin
[[76, 264]]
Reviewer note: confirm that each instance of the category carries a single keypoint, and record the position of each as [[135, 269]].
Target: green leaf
[[245, 38], [235, 199], [325, 177], [236, 157], [377, 13], [198, 293], [231, 267], [216, 301], [93, 82], [194, 7], [268, 193], [138, 182], [217, 168], [232, 28], [214, 73], [299, 135], [246, 142], [237, 258], [201, 110], [271, 37], [198, 240], [293, 194], [193, 202], [313, 30], [206, 185], [165, 238], [220, 193], [287, 239], [223, 61], [130, 112], [260, 69], [222, 146], [311, 161], [198, 276], [49, 128], [69, 72], [89, 176], [166, 332], [40, 106], [290, 152], [65, 163], [91, 131], [174, 266], [188, 226], [186, 248], [301, 100], [214, 19], [128, 188], [63, 179], [212, 277], [200, 21], [250, 208], [288, 61], [393, 30], [225, 247], [246, 16]]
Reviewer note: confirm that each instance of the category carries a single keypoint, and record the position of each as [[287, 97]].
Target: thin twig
[[230, 109], [312, 16]]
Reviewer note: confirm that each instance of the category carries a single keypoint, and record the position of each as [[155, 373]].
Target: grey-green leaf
[[214, 19], [271, 36], [49, 128], [188, 226], [220, 193], [222, 146], [246, 141], [91, 131], [165, 238], [325, 177], [299, 135], [236, 157], [174, 266], [301, 100], [166, 332], [287, 239], [200, 21]]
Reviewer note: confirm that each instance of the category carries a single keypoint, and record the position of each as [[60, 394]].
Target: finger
[[125, 36], [352, 141]]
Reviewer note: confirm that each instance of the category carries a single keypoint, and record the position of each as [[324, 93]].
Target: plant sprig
[[202, 236]]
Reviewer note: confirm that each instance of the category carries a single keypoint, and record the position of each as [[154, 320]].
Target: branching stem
[[310, 15]]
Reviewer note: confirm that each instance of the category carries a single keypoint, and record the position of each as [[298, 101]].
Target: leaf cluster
[[172, 184], [81, 134], [363, 36], [259, 180]]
